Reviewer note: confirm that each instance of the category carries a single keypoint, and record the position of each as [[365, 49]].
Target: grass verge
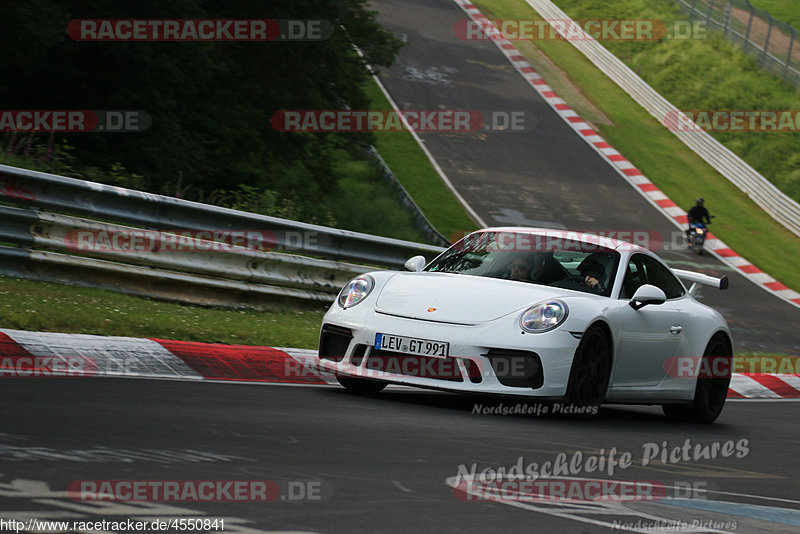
[[673, 167], [785, 10], [412, 168], [380, 213], [45, 307]]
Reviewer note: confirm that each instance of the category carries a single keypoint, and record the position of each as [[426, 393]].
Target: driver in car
[[592, 273], [520, 269]]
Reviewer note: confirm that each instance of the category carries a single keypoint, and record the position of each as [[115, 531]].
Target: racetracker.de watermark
[[578, 30], [192, 30], [25, 366], [558, 490], [724, 366], [198, 490], [136, 240], [556, 240], [727, 120], [431, 120], [74, 120], [564, 240]]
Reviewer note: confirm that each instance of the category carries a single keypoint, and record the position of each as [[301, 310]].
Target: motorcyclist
[[697, 214]]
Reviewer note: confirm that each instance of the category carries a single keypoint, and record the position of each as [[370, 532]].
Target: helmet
[[700, 201], [595, 263], [591, 265]]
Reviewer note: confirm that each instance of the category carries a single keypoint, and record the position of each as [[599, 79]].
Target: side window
[[650, 271], [634, 277]]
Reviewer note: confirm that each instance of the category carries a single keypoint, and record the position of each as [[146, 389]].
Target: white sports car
[[561, 316]]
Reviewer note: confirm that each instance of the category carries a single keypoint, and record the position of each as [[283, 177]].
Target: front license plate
[[412, 345]]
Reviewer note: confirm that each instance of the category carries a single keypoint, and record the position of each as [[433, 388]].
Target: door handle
[[675, 329]]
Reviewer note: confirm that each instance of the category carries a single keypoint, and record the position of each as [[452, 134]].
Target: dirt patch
[[778, 41]]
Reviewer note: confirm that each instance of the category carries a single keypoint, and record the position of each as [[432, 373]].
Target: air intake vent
[[517, 368], [358, 354], [333, 342]]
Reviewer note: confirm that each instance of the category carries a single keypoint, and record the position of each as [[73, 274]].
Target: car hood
[[458, 298]]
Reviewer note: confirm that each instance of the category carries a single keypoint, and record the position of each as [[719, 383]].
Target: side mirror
[[647, 294], [415, 264]]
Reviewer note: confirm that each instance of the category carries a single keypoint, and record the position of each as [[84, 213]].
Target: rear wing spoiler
[[700, 278]]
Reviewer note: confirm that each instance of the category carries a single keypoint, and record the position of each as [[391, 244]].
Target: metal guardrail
[[768, 197], [159, 259]]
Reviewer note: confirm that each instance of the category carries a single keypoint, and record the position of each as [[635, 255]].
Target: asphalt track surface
[[381, 462], [545, 175]]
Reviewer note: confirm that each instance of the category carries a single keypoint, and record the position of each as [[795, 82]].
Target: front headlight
[[544, 316], [355, 291]]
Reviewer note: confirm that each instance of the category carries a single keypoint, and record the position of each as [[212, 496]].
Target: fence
[[152, 245], [770, 41]]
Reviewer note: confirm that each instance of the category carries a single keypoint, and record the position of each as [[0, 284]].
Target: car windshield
[[534, 259]]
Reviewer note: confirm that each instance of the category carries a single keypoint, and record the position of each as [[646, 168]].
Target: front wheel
[[711, 391], [361, 385], [591, 369]]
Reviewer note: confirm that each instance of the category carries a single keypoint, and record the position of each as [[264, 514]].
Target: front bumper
[[489, 358]]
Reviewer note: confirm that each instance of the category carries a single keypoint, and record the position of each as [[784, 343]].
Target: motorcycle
[[697, 236]]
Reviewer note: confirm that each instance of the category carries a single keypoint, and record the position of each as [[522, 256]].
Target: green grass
[[761, 362], [39, 306], [675, 169], [379, 212], [412, 168], [785, 10]]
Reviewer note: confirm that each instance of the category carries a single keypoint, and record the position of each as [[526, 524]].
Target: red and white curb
[[42, 354], [624, 167], [764, 386]]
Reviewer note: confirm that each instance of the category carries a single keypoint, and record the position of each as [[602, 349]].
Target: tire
[[710, 392], [591, 370], [361, 385]]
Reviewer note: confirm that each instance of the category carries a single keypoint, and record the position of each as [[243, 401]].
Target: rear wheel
[[591, 369], [711, 391], [361, 385]]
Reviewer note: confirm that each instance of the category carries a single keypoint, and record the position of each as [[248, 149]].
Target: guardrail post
[[726, 23], [788, 55], [766, 42], [710, 10], [749, 26]]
